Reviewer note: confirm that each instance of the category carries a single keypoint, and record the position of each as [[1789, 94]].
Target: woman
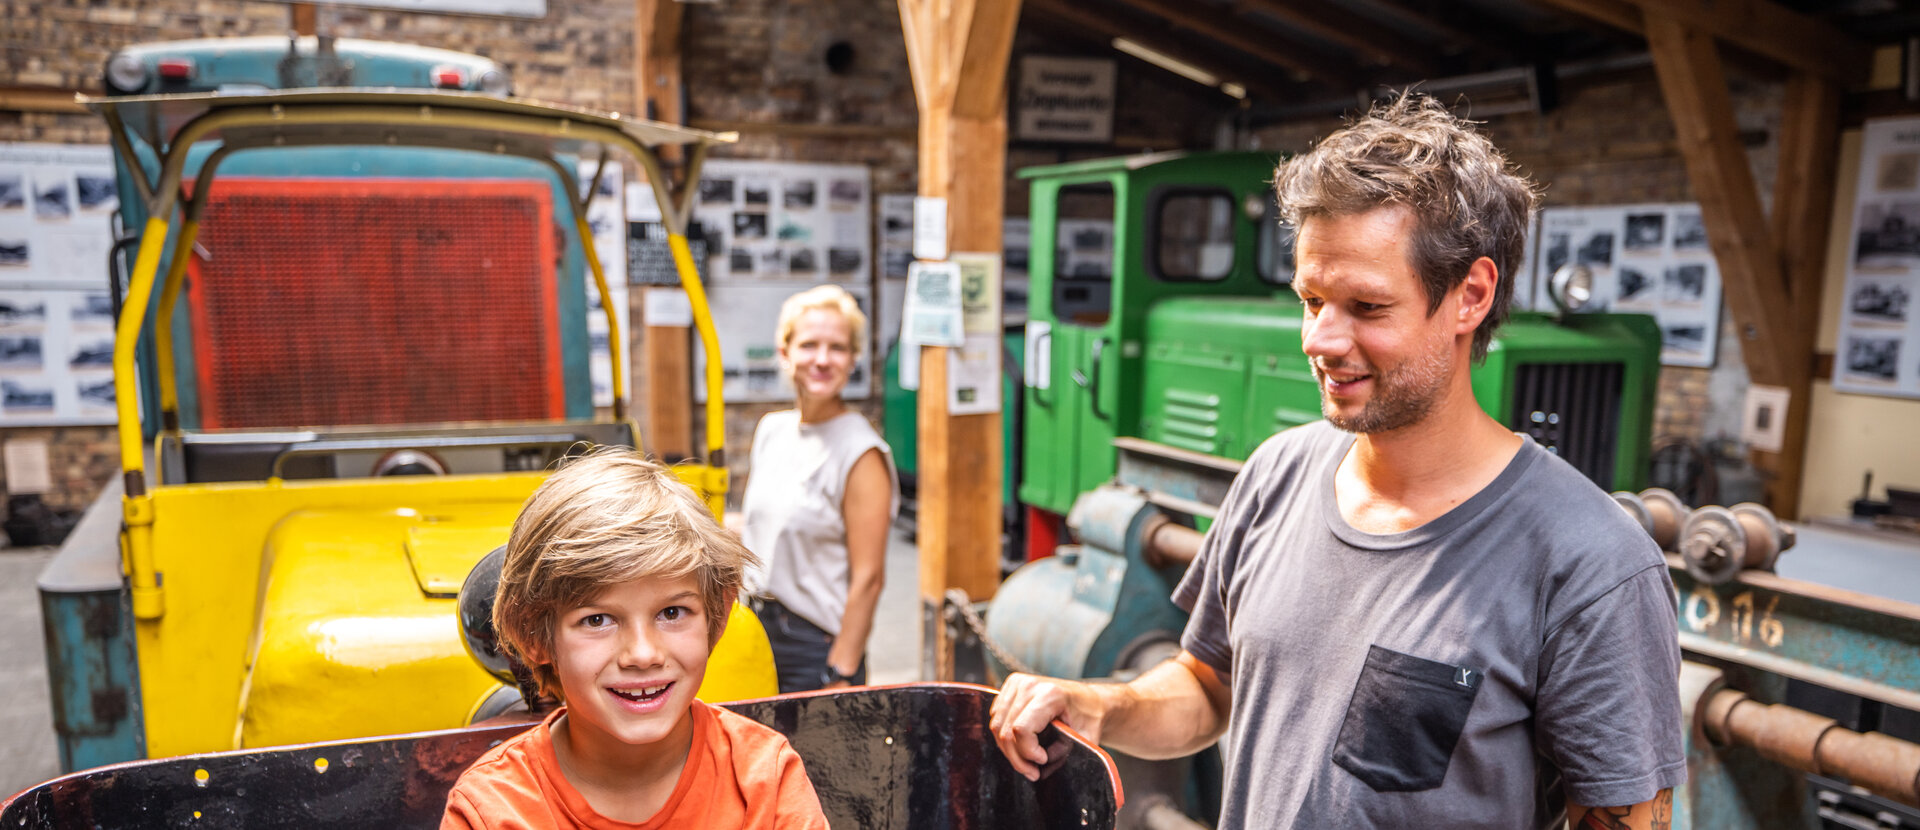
[[820, 494]]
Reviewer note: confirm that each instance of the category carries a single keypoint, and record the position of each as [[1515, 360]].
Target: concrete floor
[[29, 756], [26, 719]]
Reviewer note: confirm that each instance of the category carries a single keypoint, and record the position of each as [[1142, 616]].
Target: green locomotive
[[1159, 310]]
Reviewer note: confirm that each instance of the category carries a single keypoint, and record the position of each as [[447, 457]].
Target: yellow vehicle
[[280, 561]]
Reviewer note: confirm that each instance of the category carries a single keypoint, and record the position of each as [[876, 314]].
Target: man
[[1415, 617]]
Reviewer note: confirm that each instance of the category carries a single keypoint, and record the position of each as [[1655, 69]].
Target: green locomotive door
[[1072, 344]]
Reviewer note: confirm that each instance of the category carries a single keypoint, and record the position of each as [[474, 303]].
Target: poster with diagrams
[[1876, 352], [56, 317], [775, 229], [1647, 259], [606, 216]]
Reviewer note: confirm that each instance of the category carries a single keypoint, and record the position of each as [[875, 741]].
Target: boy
[[616, 585]]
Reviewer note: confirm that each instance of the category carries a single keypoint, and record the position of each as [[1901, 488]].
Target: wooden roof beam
[[1765, 28], [1328, 21], [1106, 28], [1232, 33]]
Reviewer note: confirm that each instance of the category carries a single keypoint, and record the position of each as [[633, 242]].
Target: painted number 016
[[1702, 611]]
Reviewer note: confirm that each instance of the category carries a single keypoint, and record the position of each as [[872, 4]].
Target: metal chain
[[957, 600]]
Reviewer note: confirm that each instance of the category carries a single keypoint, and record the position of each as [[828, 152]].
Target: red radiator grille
[[374, 301]]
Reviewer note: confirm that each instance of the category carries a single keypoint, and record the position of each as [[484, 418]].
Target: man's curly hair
[[1467, 201]]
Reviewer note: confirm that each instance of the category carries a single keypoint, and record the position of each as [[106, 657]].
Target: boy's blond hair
[[605, 518], [828, 297]]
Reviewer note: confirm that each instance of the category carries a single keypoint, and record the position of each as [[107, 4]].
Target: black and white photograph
[[1684, 337], [1873, 358], [95, 392], [1689, 231], [1889, 235], [52, 198], [13, 192], [1635, 285], [26, 395], [894, 266], [93, 353], [1596, 252], [798, 194], [716, 191], [1559, 250], [91, 308], [803, 261], [22, 309], [1684, 283], [1646, 232], [740, 261], [749, 226], [96, 191], [896, 227], [756, 193], [1898, 171], [17, 353], [844, 260], [846, 194], [1879, 301], [14, 253], [773, 262]]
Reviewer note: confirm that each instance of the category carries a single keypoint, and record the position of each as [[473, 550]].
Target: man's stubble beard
[[1402, 397]]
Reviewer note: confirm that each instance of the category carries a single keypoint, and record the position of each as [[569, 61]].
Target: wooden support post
[[958, 52], [1771, 272], [665, 350], [306, 21]]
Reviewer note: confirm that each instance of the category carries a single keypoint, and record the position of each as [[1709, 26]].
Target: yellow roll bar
[[173, 124]]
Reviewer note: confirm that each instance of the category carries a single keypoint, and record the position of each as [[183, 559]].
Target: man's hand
[[1027, 705]]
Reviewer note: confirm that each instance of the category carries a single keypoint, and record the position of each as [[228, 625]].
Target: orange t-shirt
[[739, 774]]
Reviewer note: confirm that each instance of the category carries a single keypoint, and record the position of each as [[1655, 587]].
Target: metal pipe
[[1166, 543], [1883, 765]]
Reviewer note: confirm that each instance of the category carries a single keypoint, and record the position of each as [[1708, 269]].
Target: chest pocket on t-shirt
[[1404, 720]]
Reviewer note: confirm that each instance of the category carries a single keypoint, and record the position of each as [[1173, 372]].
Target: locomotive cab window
[[1273, 252], [1192, 234], [1083, 254]]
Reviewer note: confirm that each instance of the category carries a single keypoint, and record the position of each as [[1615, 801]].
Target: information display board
[[56, 317], [1876, 352]]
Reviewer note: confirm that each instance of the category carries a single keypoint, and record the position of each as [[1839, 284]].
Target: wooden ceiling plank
[[1231, 33], [1107, 28], [1330, 22], [1460, 25], [1763, 27]]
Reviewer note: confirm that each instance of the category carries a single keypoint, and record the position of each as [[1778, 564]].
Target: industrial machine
[[352, 341], [1802, 699]]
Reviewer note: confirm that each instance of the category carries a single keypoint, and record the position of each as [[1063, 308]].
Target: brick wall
[[1611, 142]]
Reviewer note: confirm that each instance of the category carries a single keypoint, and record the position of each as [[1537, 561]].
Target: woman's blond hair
[[830, 297], [605, 518]]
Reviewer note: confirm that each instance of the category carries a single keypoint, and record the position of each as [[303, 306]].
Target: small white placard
[[930, 227], [27, 467], [909, 366], [642, 205], [1764, 426], [973, 376], [667, 307], [1038, 372], [932, 314]]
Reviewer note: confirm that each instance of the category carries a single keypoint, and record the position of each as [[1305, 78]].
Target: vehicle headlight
[[126, 73], [495, 82], [1570, 288]]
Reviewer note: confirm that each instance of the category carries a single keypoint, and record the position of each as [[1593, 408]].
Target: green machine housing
[[1185, 333]]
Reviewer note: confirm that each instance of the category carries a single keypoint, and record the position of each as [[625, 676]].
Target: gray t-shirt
[[1459, 674]]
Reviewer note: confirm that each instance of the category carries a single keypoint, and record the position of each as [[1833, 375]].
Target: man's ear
[[1476, 295]]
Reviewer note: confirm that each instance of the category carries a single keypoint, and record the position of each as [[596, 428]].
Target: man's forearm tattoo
[[1663, 810], [1606, 818]]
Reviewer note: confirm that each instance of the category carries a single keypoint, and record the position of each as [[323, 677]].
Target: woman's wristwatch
[[830, 675]]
